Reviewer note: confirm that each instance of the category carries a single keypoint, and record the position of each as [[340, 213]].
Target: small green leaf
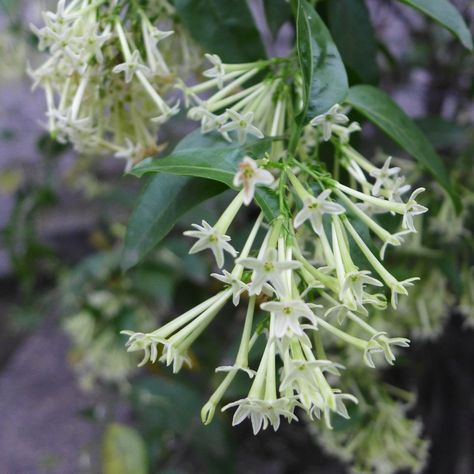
[[123, 451], [277, 13], [163, 201], [225, 28], [446, 14], [219, 164], [267, 199], [351, 28], [380, 109], [324, 76]]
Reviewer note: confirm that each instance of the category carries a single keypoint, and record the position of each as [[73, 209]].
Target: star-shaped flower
[[210, 238], [217, 71], [268, 269], [413, 209], [131, 66], [383, 176], [249, 175], [242, 124], [262, 413], [326, 121], [355, 282], [287, 315], [237, 285], [315, 208], [381, 343]]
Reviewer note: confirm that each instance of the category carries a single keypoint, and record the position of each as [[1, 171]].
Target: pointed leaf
[[226, 28], [163, 201], [446, 14], [351, 28], [324, 76], [380, 109]]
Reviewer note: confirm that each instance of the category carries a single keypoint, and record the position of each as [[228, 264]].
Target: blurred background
[[71, 398]]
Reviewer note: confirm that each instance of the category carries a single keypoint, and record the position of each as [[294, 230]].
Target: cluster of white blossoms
[[297, 271], [382, 440], [109, 74], [235, 105]]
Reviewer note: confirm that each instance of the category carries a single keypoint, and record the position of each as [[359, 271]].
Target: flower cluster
[[314, 260], [236, 109], [381, 439], [109, 73]]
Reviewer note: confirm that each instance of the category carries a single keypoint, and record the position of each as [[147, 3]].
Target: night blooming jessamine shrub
[[311, 272]]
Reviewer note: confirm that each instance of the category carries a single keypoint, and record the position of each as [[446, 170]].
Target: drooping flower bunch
[[313, 271], [380, 438], [109, 74]]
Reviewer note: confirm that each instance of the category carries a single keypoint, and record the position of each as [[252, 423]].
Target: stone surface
[[41, 428]]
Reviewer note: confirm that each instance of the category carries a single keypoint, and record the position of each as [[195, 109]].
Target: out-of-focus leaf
[[324, 75], [277, 12], [446, 14], [443, 133], [380, 109], [225, 28], [123, 451], [163, 201], [351, 28]]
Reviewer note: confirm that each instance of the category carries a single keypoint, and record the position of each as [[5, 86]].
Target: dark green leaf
[[351, 28], [380, 109], [443, 133], [324, 76], [163, 201], [277, 13], [267, 199], [219, 164], [446, 14], [225, 28], [123, 451]]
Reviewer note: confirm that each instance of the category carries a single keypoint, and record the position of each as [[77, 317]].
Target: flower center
[[268, 267]]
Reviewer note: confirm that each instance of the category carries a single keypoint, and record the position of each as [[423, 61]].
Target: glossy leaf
[[446, 14], [163, 201], [351, 28], [380, 109], [123, 451], [211, 157], [324, 75], [225, 28]]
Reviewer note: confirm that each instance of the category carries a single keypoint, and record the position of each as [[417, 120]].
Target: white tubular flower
[[242, 124], [344, 133], [209, 121], [383, 176], [381, 343], [262, 413], [249, 175], [287, 315], [396, 188], [217, 71], [399, 288], [210, 238], [326, 121], [395, 240], [173, 356], [237, 285], [315, 208], [355, 282], [133, 153], [413, 209], [131, 66], [268, 269], [143, 342]]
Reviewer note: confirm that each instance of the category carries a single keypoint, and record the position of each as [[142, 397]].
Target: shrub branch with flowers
[[278, 131]]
